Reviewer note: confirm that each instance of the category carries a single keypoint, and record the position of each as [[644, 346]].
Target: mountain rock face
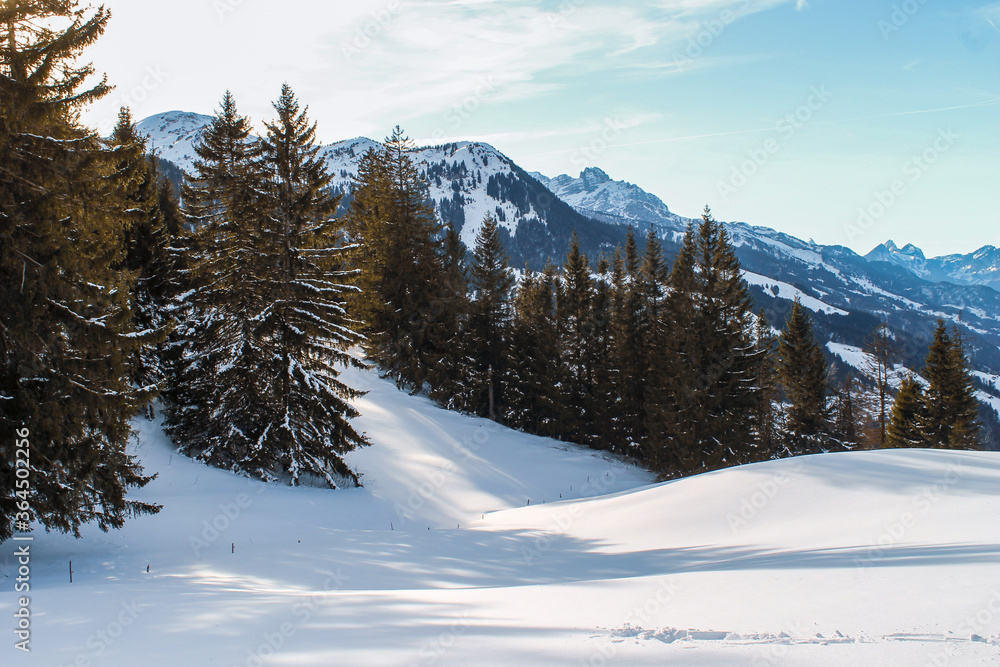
[[849, 294], [594, 194], [981, 267]]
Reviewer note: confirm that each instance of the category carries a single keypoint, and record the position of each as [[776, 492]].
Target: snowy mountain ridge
[[981, 267], [466, 181]]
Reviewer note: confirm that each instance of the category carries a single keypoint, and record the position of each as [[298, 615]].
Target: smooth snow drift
[[473, 544]]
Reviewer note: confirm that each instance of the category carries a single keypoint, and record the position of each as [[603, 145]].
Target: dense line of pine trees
[[668, 365], [239, 309]]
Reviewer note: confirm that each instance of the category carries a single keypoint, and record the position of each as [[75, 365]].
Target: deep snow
[[868, 558]]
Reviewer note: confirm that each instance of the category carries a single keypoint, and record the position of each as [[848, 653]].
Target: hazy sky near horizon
[[846, 121]]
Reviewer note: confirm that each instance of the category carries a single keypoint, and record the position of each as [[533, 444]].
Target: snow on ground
[[783, 290], [876, 558], [989, 378], [860, 360]]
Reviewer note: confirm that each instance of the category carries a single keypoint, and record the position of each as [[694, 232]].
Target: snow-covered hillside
[[474, 545]]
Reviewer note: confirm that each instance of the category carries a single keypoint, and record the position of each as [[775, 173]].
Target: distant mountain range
[[849, 293], [981, 267]]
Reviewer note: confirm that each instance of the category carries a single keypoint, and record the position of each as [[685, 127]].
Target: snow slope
[[885, 558], [783, 290]]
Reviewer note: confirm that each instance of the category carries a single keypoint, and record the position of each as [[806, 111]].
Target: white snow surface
[[783, 290], [863, 362], [861, 558]]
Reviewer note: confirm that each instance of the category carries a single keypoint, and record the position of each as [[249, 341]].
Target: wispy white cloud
[[399, 59]]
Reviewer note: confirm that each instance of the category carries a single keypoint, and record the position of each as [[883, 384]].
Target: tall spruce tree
[[802, 370], [602, 428], [451, 369], [148, 235], [536, 371], [305, 330], [949, 414], [576, 323], [398, 259], [490, 322], [630, 350], [66, 328], [713, 361], [218, 406], [763, 416], [903, 429]]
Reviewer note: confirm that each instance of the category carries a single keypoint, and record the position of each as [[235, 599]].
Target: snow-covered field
[[868, 558]]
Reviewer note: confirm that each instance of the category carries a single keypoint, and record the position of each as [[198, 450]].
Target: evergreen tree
[[536, 371], [630, 350], [763, 416], [713, 361], [449, 376], [217, 409], [576, 323], [949, 414], [148, 234], [305, 330], [490, 322], [670, 339], [802, 370], [904, 422], [398, 258], [67, 335], [600, 352]]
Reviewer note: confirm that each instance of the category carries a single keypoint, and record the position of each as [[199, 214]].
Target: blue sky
[[846, 121]]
